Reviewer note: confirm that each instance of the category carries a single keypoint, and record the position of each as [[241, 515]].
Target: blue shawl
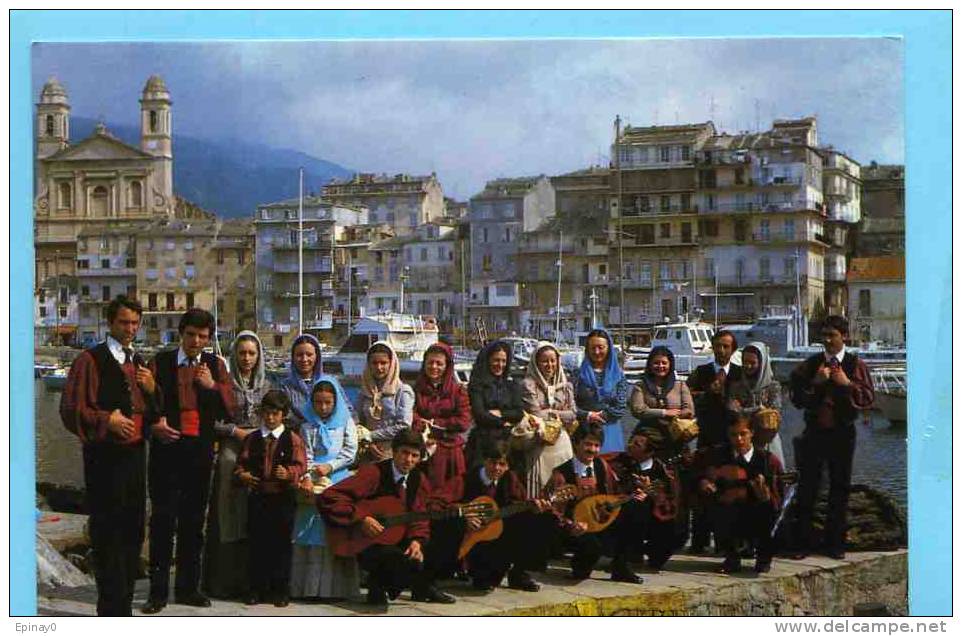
[[339, 418], [611, 375]]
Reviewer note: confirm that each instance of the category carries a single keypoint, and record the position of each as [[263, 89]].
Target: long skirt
[[446, 464]]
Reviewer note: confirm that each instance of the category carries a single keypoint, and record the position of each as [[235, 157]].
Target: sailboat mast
[[557, 332], [300, 254]]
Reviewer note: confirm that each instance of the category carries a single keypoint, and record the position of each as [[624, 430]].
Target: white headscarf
[[533, 372]]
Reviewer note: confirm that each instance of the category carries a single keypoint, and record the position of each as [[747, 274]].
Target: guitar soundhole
[[601, 513]]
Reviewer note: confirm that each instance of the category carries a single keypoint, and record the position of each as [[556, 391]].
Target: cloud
[[475, 110]]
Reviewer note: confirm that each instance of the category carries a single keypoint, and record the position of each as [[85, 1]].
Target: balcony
[[308, 293], [773, 238], [309, 268], [632, 211], [326, 244], [755, 208], [746, 281]]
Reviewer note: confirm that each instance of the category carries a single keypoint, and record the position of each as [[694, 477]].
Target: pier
[[688, 586]]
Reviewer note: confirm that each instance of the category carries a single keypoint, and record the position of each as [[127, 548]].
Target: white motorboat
[[891, 392], [409, 335]]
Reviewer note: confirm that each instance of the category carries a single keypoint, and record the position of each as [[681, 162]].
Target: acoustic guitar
[[494, 525], [389, 511]]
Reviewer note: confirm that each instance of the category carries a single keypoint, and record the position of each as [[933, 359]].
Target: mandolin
[[347, 541], [493, 526]]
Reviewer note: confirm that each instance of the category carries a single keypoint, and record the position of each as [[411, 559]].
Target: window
[[686, 233], [686, 201], [170, 302], [62, 311], [131, 291], [84, 290], [131, 262], [153, 121], [50, 125], [190, 300], [486, 262], [739, 176], [664, 153], [267, 215], [706, 178], [740, 271], [644, 272], [413, 219], [709, 268], [99, 201], [642, 203], [740, 201], [64, 195], [136, 194], [789, 229], [241, 305], [789, 265], [151, 274], [170, 244], [764, 229], [105, 291], [220, 305], [710, 201], [170, 272], [686, 153], [764, 269], [189, 271], [865, 302], [389, 218], [424, 254], [641, 154], [647, 233], [105, 263], [189, 244], [741, 230], [664, 230], [507, 235], [441, 253], [220, 257], [43, 311], [42, 296], [504, 291], [152, 301], [83, 263], [624, 154], [407, 255], [484, 235], [664, 270]]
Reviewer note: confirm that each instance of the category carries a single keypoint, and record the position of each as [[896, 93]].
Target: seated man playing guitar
[[740, 483], [654, 519], [589, 538], [352, 507], [497, 544]]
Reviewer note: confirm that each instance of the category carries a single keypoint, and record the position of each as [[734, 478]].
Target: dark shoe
[[482, 586], [763, 566], [152, 606], [798, 555], [376, 596], [393, 593], [577, 575], [836, 553], [697, 549], [623, 574], [731, 565], [282, 600], [433, 595], [523, 582], [252, 599], [194, 600]]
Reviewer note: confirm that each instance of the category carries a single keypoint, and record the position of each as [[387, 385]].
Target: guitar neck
[[410, 517], [517, 508]]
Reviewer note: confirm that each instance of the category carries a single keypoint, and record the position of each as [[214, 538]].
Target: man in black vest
[[108, 399], [711, 385], [196, 391], [832, 387]]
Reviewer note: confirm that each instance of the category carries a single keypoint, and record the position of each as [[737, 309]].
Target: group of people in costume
[[289, 490]]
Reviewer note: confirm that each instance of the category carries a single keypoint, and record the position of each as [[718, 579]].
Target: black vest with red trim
[[209, 403], [283, 453]]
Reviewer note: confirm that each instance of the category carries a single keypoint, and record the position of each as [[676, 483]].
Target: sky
[[474, 110]]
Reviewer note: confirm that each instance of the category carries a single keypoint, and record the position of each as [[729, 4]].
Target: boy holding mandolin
[[494, 543], [595, 524], [654, 519], [739, 483]]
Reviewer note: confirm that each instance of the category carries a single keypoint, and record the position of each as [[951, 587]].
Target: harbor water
[[880, 453]]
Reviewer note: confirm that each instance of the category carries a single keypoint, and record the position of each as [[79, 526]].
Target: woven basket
[[765, 425], [682, 430]]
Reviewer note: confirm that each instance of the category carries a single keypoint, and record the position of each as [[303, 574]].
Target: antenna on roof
[[757, 123]]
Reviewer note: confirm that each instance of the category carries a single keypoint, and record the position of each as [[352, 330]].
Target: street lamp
[[403, 277]]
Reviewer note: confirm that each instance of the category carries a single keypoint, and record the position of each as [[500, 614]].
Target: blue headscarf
[[339, 418], [612, 373]]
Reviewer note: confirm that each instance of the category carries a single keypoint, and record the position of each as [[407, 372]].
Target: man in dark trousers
[[196, 391], [832, 387], [107, 402], [711, 385]]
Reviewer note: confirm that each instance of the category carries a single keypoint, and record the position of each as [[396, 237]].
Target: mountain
[[226, 177]]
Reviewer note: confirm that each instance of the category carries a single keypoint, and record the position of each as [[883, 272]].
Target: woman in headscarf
[[495, 399], [225, 561], [442, 409], [758, 389], [385, 405], [304, 373], [330, 441], [546, 394], [659, 397], [601, 390]]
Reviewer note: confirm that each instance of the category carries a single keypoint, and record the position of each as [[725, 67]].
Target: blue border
[[928, 46]]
